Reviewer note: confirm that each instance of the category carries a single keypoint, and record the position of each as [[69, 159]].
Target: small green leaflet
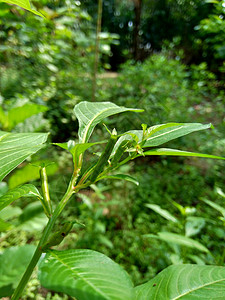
[[24, 4], [27, 190], [162, 212], [178, 239], [89, 114]]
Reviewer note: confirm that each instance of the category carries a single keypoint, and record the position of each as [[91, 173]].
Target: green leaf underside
[[27, 190], [16, 147], [185, 282], [90, 114], [178, 239], [174, 152], [121, 176], [162, 212], [163, 133], [24, 4], [85, 274]]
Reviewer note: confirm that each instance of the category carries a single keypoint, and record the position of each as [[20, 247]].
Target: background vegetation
[[164, 56]]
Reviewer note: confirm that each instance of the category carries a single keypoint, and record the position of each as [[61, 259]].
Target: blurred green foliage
[[47, 65]]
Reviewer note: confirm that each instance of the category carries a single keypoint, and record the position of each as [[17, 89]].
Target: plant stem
[[37, 254]]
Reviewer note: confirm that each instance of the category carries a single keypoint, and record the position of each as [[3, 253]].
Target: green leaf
[[4, 226], [163, 133], [89, 114], [166, 134], [194, 225], [174, 152], [185, 282], [178, 239], [10, 212], [13, 263], [215, 206], [162, 212], [27, 190], [18, 114], [31, 172], [24, 4], [78, 149], [85, 274], [16, 147], [121, 176]]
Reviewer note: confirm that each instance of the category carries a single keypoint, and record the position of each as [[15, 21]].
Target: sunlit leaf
[[162, 212], [89, 114], [185, 282], [16, 147], [24, 4], [85, 274]]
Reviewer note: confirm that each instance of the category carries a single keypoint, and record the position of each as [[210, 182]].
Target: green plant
[[86, 273]]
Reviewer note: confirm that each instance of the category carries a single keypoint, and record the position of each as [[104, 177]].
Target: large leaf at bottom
[[16, 147], [89, 114], [85, 274], [22, 191], [185, 282]]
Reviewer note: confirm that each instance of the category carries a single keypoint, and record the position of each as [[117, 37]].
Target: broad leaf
[[121, 176], [185, 282], [85, 274], [173, 132], [24, 4], [27, 190], [194, 225], [18, 114], [174, 152], [162, 212], [13, 263], [163, 133], [16, 147], [90, 114], [178, 239]]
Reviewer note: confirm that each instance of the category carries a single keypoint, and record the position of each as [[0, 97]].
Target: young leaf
[[162, 212], [174, 152], [85, 274], [89, 114], [27, 190], [24, 4], [16, 147], [179, 240], [185, 282]]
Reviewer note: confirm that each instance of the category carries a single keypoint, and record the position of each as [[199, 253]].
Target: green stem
[[17, 293]]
